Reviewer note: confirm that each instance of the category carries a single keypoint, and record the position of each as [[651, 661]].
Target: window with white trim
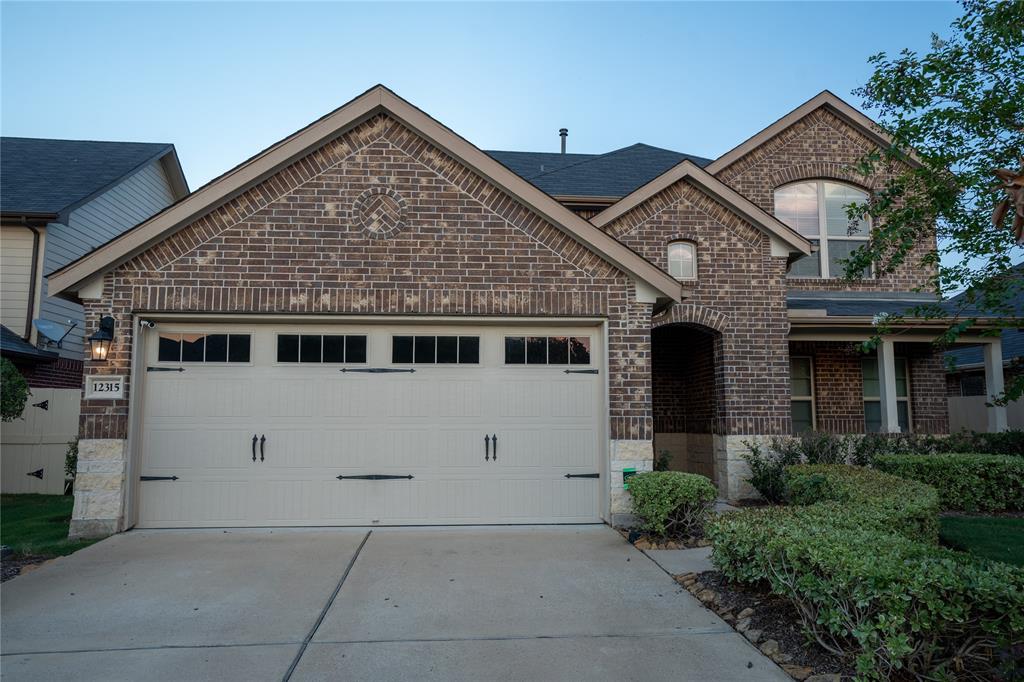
[[203, 347], [321, 348], [817, 210], [682, 260], [547, 350], [801, 390], [873, 393]]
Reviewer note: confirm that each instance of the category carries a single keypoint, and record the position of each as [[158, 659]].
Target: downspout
[[32, 282]]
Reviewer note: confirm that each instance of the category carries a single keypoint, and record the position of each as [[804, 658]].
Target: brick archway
[[827, 170], [692, 314]]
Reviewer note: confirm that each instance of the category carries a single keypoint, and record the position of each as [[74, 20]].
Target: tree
[[960, 109], [13, 391]]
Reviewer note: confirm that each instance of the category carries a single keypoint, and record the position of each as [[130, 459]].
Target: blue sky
[[222, 81]]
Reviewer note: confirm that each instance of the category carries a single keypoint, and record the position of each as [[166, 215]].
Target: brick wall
[[928, 404], [819, 146], [61, 373], [378, 221], [739, 293]]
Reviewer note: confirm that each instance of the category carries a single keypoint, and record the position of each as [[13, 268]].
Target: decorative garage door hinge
[[376, 370], [581, 371], [158, 478], [373, 477], [165, 369], [583, 475]]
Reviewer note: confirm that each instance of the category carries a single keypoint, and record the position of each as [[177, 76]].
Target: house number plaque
[[102, 387]]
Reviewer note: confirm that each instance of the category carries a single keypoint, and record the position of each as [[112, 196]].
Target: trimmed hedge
[[672, 503], [897, 604], [967, 482], [876, 499]]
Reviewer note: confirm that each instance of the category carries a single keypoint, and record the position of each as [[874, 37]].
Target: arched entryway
[[687, 391]]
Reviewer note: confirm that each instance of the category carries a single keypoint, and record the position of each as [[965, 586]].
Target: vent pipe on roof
[[563, 133]]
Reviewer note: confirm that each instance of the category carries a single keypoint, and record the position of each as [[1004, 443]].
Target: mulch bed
[[768, 618], [11, 567], [642, 540]]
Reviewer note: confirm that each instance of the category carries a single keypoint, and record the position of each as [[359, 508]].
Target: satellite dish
[[54, 333]]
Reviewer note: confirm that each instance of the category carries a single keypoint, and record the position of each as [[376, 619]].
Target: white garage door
[[350, 425]]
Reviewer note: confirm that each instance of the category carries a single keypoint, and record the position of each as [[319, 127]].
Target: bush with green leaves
[[903, 608], [873, 498], [871, 445], [672, 503], [13, 391], [965, 482], [768, 469]]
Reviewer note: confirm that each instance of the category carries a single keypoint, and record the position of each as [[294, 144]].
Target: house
[[59, 199], [375, 322], [965, 373]]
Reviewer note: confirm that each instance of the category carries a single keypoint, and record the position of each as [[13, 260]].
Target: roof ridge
[[596, 157], [68, 139]]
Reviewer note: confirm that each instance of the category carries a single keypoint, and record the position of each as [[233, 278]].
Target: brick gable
[[298, 243]]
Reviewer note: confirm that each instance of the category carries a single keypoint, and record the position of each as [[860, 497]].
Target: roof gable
[[689, 171], [301, 143], [826, 99], [48, 177]]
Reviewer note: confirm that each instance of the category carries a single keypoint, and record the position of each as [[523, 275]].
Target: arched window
[[682, 260], [817, 210]]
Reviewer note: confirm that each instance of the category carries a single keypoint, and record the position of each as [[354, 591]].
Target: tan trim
[[269, 161], [824, 99], [573, 199], [688, 170]]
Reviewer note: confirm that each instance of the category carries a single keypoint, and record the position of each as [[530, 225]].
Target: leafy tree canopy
[[960, 108]]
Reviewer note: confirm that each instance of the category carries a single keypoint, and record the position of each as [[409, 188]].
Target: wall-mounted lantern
[[101, 339]]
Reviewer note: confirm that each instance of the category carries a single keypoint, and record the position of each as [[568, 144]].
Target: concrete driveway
[[532, 603]]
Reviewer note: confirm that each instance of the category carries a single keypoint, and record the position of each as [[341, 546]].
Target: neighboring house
[[59, 199], [965, 375], [375, 322]]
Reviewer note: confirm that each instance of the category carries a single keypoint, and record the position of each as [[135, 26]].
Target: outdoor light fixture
[[101, 339]]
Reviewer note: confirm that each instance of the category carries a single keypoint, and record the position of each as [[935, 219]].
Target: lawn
[[991, 537], [37, 525]]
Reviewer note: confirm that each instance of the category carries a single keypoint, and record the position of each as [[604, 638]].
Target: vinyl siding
[[125, 205], [15, 277]]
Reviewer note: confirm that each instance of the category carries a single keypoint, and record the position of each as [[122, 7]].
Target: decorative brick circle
[[380, 212]]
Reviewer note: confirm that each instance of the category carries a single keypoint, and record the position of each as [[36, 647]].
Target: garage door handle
[[263, 439], [487, 448], [494, 440], [254, 447]]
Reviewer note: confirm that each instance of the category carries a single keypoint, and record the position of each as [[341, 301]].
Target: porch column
[[994, 384], [887, 387]]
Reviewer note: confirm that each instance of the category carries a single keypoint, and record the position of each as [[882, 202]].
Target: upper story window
[[682, 260], [817, 210]]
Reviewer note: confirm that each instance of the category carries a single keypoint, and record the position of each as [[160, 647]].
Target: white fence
[[39, 440]]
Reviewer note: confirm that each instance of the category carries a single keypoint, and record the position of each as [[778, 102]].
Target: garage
[[364, 424]]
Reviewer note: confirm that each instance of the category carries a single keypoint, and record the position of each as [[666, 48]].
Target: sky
[[224, 80]]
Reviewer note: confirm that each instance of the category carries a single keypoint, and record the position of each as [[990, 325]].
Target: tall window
[[801, 389], [817, 210], [682, 260], [873, 395]]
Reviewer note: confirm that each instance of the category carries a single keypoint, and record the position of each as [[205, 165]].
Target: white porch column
[[887, 387], [994, 384]]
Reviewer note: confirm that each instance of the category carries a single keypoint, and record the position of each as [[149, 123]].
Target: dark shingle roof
[[1013, 339], [858, 304], [47, 176], [13, 345], [614, 174]]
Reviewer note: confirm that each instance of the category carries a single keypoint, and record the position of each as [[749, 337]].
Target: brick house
[[374, 321]]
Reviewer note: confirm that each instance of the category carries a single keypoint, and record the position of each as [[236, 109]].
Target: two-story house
[[59, 199], [375, 322]]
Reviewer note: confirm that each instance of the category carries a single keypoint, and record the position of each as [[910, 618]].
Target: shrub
[[899, 605], [867, 447], [870, 498], [964, 481], [768, 470], [671, 503], [13, 391]]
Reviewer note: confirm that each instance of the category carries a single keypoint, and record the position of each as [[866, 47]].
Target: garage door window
[[198, 347], [435, 350], [547, 350], [321, 348]]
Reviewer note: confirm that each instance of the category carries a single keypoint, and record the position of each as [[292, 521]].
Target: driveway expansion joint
[[327, 607]]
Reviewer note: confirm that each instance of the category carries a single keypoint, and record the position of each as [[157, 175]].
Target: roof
[[612, 175], [1013, 339], [41, 176], [13, 345], [296, 146], [865, 304]]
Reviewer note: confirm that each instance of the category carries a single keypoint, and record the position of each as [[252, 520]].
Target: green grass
[[990, 537], [38, 525]]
